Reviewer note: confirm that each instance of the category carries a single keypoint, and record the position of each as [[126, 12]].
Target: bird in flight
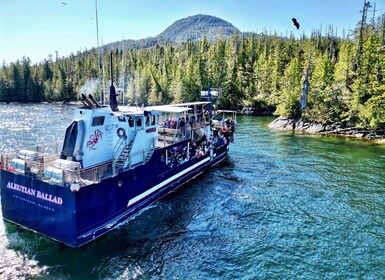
[[295, 22], [64, 3]]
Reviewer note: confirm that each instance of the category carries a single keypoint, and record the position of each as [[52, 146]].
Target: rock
[[284, 123], [301, 125], [359, 135], [315, 128]]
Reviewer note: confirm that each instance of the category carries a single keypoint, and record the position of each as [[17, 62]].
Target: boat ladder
[[120, 162]]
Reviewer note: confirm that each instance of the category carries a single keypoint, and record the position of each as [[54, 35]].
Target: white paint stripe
[[157, 187]]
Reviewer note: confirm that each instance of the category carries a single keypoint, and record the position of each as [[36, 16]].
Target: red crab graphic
[[94, 138]]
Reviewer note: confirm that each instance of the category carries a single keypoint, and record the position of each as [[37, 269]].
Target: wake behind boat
[[112, 164]]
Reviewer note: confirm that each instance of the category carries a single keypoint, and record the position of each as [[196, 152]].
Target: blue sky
[[37, 28]]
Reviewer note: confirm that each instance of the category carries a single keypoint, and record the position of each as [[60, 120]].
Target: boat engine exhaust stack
[[113, 101]]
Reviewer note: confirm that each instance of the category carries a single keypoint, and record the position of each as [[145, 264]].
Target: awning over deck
[[169, 109]]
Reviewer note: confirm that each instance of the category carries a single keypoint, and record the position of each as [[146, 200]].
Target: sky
[[38, 28]]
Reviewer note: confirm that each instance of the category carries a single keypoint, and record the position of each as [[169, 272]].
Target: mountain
[[196, 27], [192, 28]]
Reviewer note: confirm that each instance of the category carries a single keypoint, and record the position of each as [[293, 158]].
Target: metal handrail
[[118, 147]]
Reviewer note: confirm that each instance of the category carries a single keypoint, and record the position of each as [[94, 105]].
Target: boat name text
[[35, 193]]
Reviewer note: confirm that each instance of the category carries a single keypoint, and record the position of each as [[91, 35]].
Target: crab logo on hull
[[94, 138]]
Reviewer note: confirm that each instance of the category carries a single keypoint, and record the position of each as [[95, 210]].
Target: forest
[[345, 74]]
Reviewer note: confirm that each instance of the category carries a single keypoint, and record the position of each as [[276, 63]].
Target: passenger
[[233, 124], [179, 159], [228, 122], [188, 130], [192, 153], [163, 158], [199, 152], [182, 122], [207, 116], [215, 141], [205, 148], [199, 117], [172, 163], [182, 125], [203, 138], [192, 121]]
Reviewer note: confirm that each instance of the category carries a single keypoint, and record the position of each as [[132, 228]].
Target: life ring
[[121, 132], [224, 128]]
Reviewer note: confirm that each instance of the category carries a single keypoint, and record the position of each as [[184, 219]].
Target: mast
[[113, 101], [123, 70], [97, 40]]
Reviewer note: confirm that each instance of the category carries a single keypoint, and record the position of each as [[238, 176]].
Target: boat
[[112, 164]]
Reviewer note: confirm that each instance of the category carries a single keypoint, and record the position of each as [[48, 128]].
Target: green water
[[283, 206]]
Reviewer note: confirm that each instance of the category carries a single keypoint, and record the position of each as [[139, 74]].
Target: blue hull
[[76, 218]]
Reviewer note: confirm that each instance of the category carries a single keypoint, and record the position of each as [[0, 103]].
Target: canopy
[[169, 109], [191, 103]]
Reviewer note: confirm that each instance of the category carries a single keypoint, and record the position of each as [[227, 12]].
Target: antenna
[[123, 69], [97, 40]]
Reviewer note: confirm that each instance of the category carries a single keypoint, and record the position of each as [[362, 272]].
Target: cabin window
[[148, 121], [153, 120], [121, 119], [131, 121], [139, 121], [98, 121]]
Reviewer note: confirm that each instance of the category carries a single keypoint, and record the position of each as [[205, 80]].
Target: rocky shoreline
[[334, 129]]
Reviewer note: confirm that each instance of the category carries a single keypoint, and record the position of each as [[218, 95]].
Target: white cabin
[[98, 136]]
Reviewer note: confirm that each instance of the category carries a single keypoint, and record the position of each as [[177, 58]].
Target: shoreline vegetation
[[325, 78]]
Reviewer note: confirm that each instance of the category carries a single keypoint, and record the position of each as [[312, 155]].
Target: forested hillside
[[196, 27], [192, 28], [346, 75]]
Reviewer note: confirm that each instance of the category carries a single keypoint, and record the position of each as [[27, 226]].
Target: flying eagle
[[295, 22]]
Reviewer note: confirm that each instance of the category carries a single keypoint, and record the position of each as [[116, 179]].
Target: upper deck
[[100, 142]]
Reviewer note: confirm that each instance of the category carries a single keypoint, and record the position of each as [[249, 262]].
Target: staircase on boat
[[123, 157]]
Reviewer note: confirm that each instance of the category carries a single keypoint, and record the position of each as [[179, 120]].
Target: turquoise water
[[282, 205]]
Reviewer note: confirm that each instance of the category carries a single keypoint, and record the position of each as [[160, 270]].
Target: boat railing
[[169, 136], [89, 175], [31, 159], [102, 171], [39, 159], [119, 146], [142, 156]]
